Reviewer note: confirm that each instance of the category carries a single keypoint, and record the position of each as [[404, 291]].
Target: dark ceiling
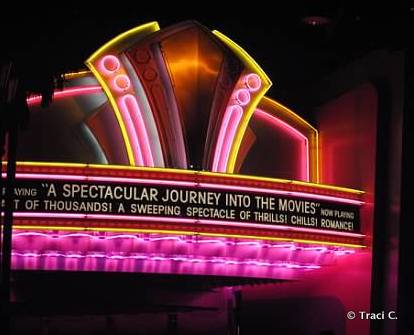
[[296, 44]]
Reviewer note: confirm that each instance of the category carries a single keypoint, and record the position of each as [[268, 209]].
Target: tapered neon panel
[[303, 158]]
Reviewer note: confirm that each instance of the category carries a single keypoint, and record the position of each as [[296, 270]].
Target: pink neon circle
[[253, 82], [242, 96], [109, 64], [121, 83]]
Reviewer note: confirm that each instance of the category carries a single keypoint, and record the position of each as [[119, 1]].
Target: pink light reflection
[[304, 157]]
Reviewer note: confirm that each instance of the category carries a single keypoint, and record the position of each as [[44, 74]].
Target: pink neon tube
[[225, 139], [68, 92], [290, 130], [129, 105], [132, 135]]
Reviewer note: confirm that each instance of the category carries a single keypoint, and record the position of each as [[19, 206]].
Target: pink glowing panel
[[283, 126], [242, 96], [66, 93], [225, 139], [108, 65], [131, 131], [121, 83], [253, 82], [113, 217], [129, 105], [172, 258]]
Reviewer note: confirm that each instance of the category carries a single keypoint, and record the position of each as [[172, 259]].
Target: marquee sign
[[191, 201]]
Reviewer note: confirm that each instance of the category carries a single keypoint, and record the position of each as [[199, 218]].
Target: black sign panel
[[184, 202]]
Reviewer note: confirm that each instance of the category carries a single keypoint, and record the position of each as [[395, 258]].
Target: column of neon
[[228, 129], [304, 159], [129, 105]]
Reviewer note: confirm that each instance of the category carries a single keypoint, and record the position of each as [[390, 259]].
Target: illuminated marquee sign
[[188, 202]]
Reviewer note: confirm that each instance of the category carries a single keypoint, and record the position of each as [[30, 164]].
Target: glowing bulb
[[253, 82], [109, 65], [242, 96], [121, 83]]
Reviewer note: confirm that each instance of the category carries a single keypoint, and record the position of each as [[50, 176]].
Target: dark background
[[48, 39]]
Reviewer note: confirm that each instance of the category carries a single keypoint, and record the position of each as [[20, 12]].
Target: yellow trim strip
[[179, 232], [192, 172]]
